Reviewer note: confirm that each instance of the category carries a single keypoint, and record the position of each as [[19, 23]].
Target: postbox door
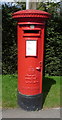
[[33, 77]]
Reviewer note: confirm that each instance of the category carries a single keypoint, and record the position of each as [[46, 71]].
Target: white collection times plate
[[31, 47]]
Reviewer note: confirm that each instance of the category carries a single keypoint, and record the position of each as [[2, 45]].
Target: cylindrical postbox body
[[31, 26]]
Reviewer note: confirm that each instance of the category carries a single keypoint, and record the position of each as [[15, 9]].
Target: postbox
[[30, 37]]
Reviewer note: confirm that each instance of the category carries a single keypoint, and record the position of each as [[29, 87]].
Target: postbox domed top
[[31, 13]]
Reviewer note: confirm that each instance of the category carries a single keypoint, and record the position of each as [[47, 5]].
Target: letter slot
[[31, 32]]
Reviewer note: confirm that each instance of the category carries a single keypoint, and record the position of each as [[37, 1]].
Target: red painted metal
[[30, 68], [31, 13]]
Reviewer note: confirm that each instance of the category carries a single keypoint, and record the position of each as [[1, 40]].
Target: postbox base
[[30, 103]]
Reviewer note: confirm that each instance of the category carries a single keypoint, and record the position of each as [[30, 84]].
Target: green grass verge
[[0, 90], [51, 91], [9, 91]]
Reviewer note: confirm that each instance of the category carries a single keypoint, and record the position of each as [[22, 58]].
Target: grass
[[0, 90], [51, 91], [61, 91], [9, 90]]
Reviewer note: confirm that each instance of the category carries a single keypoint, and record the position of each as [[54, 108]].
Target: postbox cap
[[31, 13]]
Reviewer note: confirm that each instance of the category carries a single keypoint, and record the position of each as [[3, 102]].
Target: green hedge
[[53, 47], [53, 42]]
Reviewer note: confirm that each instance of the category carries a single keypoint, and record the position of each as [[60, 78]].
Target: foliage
[[53, 45], [53, 42], [9, 41], [53, 38]]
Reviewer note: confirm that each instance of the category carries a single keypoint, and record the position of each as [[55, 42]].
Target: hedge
[[53, 42]]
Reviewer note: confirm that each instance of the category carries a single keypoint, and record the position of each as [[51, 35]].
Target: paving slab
[[20, 113], [0, 113]]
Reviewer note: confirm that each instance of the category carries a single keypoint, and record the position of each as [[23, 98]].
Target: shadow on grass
[[47, 84]]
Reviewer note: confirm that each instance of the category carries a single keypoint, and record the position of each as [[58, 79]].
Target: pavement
[[0, 113], [20, 113]]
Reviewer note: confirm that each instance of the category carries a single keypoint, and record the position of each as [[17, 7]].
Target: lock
[[38, 68]]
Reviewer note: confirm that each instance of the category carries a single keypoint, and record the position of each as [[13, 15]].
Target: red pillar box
[[31, 26]]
